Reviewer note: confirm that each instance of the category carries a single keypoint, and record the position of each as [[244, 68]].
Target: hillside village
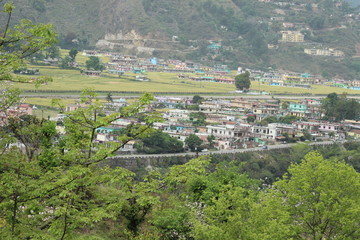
[[221, 123], [224, 124], [242, 123], [120, 64], [319, 37]]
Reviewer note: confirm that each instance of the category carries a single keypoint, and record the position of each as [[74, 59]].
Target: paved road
[[270, 147], [294, 97]]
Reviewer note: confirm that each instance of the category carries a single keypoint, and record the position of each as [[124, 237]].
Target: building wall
[[289, 36]]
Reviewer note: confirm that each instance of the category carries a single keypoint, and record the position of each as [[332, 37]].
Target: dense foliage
[[159, 142], [58, 186], [338, 108], [242, 81], [93, 63]]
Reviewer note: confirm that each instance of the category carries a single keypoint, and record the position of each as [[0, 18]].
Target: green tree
[[285, 105], [288, 119], [66, 63], [227, 196], [198, 118], [337, 108], [159, 142], [20, 42], [52, 52], [316, 22], [242, 81], [193, 142], [317, 199], [72, 53], [250, 119], [56, 189], [109, 97], [93, 63], [197, 99], [211, 139], [267, 120]]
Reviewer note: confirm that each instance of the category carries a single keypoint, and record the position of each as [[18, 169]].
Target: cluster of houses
[[120, 64], [303, 80], [229, 125], [15, 111]]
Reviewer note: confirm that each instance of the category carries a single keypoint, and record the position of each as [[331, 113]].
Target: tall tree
[[159, 142], [317, 199], [16, 44], [72, 53], [242, 81], [57, 187], [337, 108], [93, 63], [193, 142], [197, 99], [52, 52]]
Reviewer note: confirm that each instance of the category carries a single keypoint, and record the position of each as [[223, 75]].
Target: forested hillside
[[243, 30]]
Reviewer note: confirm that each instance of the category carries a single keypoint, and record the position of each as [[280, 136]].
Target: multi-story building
[[355, 83], [292, 36]]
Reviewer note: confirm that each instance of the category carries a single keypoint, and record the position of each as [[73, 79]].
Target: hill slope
[[240, 30]]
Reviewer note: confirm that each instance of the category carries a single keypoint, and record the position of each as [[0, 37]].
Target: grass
[[46, 101], [45, 113], [44, 107], [66, 80], [81, 59]]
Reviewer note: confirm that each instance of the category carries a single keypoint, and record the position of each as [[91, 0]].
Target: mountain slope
[[185, 28]]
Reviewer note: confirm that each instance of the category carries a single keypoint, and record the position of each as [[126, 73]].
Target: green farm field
[[72, 80], [65, 80]]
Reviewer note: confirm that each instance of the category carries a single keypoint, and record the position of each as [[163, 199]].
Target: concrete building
[[324, 52], [292, 36]]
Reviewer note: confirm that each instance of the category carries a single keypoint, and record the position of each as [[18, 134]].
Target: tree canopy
[[317, 199], [338, 108], [159, 142], [242, 81], [93, 63], [193, 142]]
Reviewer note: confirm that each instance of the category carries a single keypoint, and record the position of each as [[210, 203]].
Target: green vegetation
[[194, 143], [242, 81], [198, 118], [242, 28], [72, 80], [93, 63], [159, 142], [65, 80], [58, 186], [340, 108]]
